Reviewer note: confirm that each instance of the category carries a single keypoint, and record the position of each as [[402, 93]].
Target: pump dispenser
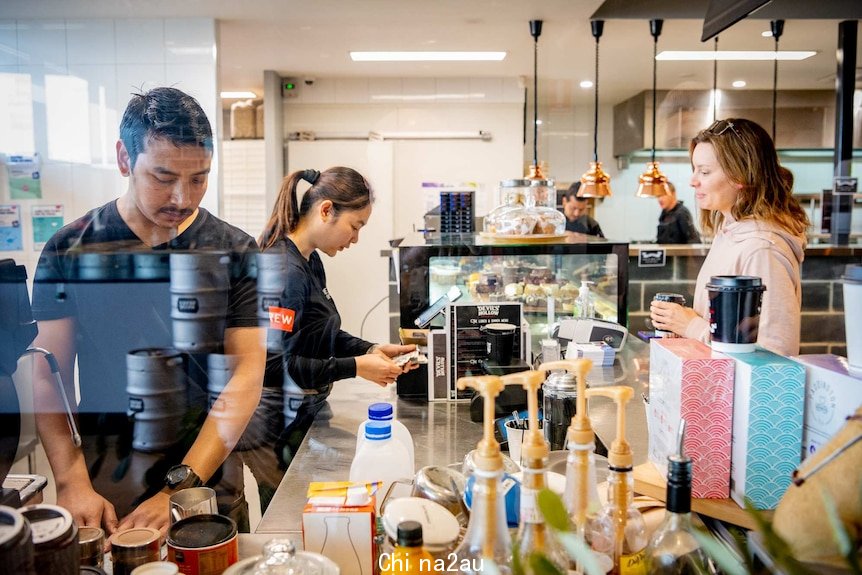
[[619, 530], [533, 533], [586, 307], [487, 537]]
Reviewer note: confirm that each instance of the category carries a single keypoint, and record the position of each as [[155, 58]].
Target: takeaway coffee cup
[[734, 312], [193, 501], [853, 316], [500, 339]]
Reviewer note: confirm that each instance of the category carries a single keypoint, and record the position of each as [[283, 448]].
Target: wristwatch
[[182, 477]]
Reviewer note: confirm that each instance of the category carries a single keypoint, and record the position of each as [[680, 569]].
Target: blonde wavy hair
[[747, 157]]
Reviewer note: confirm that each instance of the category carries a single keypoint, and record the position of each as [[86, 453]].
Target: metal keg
[[16, 542], [55, 539], [560, 394], [95, 266], [200, 283], [271, 278], [157, 386]]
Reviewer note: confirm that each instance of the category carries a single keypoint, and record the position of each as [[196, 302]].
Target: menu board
[[467, 345]]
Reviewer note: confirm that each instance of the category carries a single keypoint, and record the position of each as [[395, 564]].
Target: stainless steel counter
[[442, 432]]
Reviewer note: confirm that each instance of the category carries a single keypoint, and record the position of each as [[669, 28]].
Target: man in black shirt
[[575, 209], [165, 151], [675, 225]]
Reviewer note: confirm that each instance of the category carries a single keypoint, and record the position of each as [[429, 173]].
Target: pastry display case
[[523, 271]]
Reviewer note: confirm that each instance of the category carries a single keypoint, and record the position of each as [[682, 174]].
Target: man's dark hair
[[165, 114], [572, 193]]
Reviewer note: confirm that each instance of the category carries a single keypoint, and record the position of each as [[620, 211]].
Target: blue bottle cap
[[377, 430], [380, 410]]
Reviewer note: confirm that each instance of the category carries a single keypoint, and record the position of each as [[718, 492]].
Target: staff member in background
[[759, 230], [675, 225], [317, 352], [575, 209], [165, 151]]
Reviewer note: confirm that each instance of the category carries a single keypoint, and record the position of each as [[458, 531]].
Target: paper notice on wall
[[10, 228], [24, 180], [46, 221]]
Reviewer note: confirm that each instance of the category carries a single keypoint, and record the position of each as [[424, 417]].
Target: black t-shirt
[[675, 226], [119, 307], [584, 225], [317, 352]]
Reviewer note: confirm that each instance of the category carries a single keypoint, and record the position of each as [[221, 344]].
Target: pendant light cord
[[654, 82], [775, 89], [536, 102], [596, 110], [715, 82]]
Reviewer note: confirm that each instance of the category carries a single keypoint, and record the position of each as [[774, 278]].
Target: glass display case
[[518, 271]]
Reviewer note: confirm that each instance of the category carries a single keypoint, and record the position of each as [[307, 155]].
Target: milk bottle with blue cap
[[384, 411], [380, 457]]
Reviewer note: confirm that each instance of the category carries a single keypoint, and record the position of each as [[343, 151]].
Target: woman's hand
[[378, 368], [671, 317], [391, 350]]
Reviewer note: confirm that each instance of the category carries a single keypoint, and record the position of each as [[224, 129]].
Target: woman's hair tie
[[310, 176]]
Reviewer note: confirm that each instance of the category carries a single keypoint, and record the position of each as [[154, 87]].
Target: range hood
[[805, 118]]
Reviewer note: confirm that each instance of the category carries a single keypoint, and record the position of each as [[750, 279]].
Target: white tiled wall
[[244, 198], [79, 75]]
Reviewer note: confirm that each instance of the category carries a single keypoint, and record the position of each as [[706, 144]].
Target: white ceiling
[[312, 39]]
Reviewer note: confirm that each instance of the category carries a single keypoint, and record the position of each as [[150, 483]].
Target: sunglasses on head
[[721, 126]]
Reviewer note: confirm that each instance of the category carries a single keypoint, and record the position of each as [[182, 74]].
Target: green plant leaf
[[581, 553], [727, 561], [842, 538], [776, 547], [553, 509], [517, 566], [540, 565]]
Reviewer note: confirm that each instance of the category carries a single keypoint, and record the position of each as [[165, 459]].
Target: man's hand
[[88, 508], [154, 512]]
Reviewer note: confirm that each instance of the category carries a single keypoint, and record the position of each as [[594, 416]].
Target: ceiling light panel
[[427, 56], [734, 55]]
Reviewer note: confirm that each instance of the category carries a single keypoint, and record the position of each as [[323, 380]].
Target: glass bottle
[[409, 556], [487, 537], [619, 530], [534, 535], [673, 548]]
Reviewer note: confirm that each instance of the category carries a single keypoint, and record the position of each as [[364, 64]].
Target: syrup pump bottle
[[673, 548], [534, 535], [581, 496], [487, 537], [619, 530]]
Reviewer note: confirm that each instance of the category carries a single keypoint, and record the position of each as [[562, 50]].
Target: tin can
[[157, 568], [16, 542], [134, 547], [672, 298], [203, 544], [55, 539], [91, 540]]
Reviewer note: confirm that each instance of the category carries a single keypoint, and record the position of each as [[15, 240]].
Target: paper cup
[[515, 437], [734, 312]]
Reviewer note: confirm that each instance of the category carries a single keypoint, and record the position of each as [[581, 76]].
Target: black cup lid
[[853, 273], [410, 534], [737, 282]]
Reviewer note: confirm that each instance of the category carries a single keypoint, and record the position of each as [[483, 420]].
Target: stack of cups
[[734, 312], [853, 316]]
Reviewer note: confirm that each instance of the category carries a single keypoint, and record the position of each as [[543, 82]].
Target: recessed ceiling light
[[766, 33], [586, 83], [738, 84], [237, 95], [427, 56], [737, 55], [538, 122]]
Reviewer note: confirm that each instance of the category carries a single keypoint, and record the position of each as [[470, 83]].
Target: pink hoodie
[[754, 248]]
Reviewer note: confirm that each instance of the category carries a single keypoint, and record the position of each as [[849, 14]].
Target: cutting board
[[648, 481]]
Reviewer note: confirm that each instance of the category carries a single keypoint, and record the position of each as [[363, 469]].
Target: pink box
[[687, 380]]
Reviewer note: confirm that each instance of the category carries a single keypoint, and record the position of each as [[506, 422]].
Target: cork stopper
[[620, 453], [534, 445], [487, 457], [580, 430]]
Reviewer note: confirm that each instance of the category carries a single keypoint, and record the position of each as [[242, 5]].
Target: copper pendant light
[[653, 183], [595, 183], [535, 170]]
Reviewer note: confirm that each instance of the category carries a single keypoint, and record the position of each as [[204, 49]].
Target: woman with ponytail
[[316, 351]]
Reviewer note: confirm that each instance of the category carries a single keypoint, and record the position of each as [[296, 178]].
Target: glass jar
[[528, 207]]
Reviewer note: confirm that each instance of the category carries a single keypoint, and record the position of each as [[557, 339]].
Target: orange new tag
[[281, 318]]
